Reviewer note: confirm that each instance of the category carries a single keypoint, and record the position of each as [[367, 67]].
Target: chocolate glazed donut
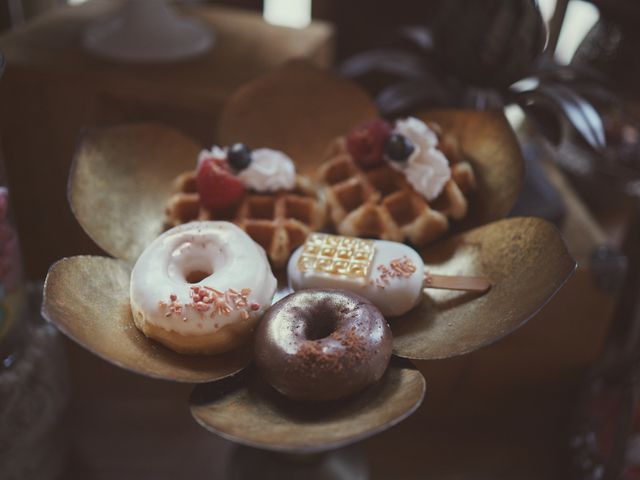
[[319, 345]]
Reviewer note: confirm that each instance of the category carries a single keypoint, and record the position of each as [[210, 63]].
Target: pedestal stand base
[[347, 463]]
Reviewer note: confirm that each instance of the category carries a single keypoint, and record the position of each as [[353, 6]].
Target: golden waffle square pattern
[[335, 255]]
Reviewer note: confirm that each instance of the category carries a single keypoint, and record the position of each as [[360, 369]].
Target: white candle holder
[[147, 31]]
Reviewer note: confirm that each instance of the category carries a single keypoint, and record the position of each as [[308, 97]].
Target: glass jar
[[13, 296], [34, 383]]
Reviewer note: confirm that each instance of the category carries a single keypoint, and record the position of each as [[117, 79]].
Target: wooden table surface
[[122, 426]]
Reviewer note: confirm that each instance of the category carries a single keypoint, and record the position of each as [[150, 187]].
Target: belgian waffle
[[279, 222], [380, 203]]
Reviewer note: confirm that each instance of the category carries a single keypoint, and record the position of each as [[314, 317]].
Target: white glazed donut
[[201, 287]]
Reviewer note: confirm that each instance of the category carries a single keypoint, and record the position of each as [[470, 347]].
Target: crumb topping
[[398, 268], [211, 302], [313, 358]]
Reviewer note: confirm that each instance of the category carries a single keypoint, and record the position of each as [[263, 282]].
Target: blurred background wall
[[353, 34]]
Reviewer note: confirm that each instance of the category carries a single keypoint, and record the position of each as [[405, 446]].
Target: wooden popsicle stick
[[457, 282]]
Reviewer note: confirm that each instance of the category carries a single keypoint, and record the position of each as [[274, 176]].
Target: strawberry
[[219, 189], [366, 142]]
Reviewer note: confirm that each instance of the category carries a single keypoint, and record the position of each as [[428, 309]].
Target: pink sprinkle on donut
[[205, 299]]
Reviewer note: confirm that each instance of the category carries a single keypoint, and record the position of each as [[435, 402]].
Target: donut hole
[[195, 276], [321, 323], [318, 330], [195, 266]]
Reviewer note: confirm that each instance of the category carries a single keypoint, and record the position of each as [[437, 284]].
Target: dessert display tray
[[121, 179]]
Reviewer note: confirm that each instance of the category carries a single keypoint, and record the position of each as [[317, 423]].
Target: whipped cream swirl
[[269, 171], [427, 169], [215, 153]]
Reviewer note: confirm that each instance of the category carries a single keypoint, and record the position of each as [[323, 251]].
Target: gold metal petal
[[527, 263], [87, 298], [120, 182], [298, 109], [246, 410], [493, 149]]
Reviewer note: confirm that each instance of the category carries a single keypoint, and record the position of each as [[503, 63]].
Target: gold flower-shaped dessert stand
[[121, 180]]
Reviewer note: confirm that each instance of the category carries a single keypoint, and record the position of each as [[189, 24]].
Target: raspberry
[[218, 188], [366, 142]]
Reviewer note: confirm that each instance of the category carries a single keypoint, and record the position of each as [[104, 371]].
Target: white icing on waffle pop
[[390, 274]]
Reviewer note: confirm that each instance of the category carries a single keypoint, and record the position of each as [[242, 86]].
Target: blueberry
[[398, 148], [239, 156]]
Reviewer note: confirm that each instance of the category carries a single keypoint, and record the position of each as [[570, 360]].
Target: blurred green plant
[[484, 55]]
